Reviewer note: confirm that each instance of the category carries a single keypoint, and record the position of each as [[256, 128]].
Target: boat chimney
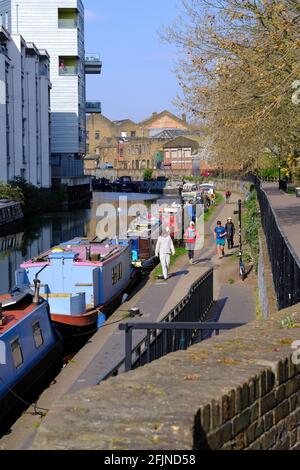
[[37, 285], [88, 253], [2, 317]]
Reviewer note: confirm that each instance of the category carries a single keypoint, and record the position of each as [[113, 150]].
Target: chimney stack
[[183, 117]]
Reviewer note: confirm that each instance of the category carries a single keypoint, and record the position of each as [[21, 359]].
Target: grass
[[251, 223], [180, 250]]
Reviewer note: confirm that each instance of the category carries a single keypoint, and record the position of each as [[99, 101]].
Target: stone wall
[[239, 390]]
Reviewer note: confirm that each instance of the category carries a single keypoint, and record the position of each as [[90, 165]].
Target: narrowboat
[[31, 350], [143, 233], [82, 280], [11, 214]]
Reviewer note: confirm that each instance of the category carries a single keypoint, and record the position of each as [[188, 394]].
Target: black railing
[[284, 261], [194, 307], [163, 338]]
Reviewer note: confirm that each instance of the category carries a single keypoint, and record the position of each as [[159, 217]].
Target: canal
[[49, 230]]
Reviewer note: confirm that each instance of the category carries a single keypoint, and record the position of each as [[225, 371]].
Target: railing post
[[128, 349], [148, 346]]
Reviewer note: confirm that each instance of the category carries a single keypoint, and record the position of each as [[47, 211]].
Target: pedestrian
[[230, 230], [190, 237], [213, 198], [164, 248], [220, 234], [228, 195]]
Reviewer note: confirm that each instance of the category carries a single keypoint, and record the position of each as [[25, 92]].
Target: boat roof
[[7, 202], [16, 311], [81, 250]]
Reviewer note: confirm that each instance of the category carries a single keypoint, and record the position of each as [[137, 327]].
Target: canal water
[[49, 230]]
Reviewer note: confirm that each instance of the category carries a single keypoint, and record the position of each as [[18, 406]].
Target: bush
[[251, 223], [148, 173], [13, 193], [37, 200]]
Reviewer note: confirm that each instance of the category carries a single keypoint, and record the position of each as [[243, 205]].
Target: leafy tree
[[239, 60]]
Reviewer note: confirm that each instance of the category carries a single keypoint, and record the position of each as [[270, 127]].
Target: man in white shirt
[[164, 248]]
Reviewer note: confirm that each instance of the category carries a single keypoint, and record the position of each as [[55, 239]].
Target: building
[[24, 110], [58, 27], [178, 153], [159, 122], [125, 144], [98, 128]]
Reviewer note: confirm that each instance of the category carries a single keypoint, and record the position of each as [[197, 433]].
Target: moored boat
[[143, 232], [82, 280], [11, 214], [31, 350]]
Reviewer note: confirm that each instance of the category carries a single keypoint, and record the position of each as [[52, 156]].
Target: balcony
[[93, 107], [93, 64]]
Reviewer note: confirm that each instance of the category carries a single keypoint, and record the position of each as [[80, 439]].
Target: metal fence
[[194, 307], [284, 261], [163, 338]]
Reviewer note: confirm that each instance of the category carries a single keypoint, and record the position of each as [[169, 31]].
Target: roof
[[123, 121], [156, 116], [182, 141], [170, 133]]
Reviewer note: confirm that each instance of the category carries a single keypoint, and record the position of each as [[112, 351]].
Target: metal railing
[[194, 307], [163, 338], [284, 261]]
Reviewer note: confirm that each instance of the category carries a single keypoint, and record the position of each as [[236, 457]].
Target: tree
[[239, 60]]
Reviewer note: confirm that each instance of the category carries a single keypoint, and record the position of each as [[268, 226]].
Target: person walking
[[190, 236], [164, 248], [230, 230], [228, 195], [220, 234]]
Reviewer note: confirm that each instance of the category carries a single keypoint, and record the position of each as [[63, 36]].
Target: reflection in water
[[45, 232]]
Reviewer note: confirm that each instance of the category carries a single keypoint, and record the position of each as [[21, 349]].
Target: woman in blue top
[[220, 236]]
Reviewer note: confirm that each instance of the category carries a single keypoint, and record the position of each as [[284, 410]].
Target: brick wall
[[261, 414], [238, 390]]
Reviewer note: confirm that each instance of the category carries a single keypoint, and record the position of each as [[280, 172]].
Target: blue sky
[[138, 70]]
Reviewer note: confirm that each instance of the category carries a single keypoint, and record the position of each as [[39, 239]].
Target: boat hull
[[74, 327], [30, 385]]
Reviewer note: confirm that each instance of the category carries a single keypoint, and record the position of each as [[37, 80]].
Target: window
[[116, 273], [37, 334], [67, 18], [68, 65], [133, 133], [17, 353], [97, 135]]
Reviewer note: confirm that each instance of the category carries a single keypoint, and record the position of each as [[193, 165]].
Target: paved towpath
[[287, 210]]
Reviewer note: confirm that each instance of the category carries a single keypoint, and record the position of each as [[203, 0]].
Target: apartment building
[[58, 27], [24, 109]]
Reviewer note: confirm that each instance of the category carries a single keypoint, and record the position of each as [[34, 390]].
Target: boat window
[[37, 334], [17, 353], [116, 273]]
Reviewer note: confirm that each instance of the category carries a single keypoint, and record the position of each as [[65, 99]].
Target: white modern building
[[24, 110], [58, 27]]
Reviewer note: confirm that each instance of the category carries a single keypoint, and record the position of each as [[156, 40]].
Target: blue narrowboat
[[31, 349], [82, 280]]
